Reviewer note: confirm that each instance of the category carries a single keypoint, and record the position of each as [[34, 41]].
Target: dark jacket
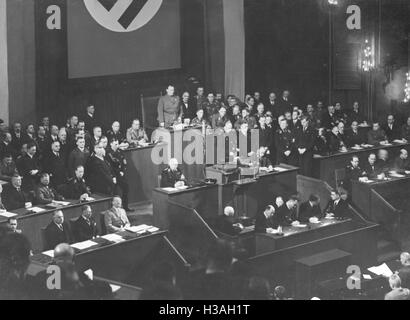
[[54, 235], [25, 165], [355, 138], [75, 188], [100, 176], [77, 158], [306, 211], [83, 230], [13, 199], [55, 166], [169, 177], [341, 210]]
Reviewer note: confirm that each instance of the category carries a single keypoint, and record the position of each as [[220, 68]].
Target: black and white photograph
[[216, 153]]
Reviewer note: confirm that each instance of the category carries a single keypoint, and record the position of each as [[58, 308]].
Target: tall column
[[4, 81]]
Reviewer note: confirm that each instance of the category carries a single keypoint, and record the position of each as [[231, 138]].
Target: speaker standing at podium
[[169, 109], [172, 176]]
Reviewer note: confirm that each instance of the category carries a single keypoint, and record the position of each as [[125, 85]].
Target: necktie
[[61, 227]]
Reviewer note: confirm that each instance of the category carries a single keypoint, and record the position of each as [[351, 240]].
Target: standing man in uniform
[[119, 164], [169, 109], [285, 142]]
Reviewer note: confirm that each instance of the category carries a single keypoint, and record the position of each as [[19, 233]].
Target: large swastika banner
[[111, 37]]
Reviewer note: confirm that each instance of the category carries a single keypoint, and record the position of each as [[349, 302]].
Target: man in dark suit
[[266, 220], [5, 145], [287, 212], [392, 130], [90, 119], [44, 193], [355, 114], [353, 172], [273, 106], [402, 162], [13, 196], [78, 157], [172, 175], [284, 104], [383, 163], [329, 119], [76, 187], [285, 144], [54, 164], [354, 137], [100, 175], [227, 224], [57, 232], [305, 142], [337, 206], [310, 209], [29, 167], [17, 136], [85, 227], [188, 109], [119, 165], [219, 119], [370, 169]]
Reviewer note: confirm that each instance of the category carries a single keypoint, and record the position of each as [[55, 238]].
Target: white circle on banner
[[123, 15]]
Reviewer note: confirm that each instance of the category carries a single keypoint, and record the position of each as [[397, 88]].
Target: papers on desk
[[49, 253], [382, 270], [170, 189], [301, 226], [397, 175], [357, 148], [182, 188], [367, 181], [280, 169], [399, 141], [90, 199], [37, 209], [113, 238], [84, 245], [90, 274], [367, 277], [114, 288], [142, 229], [7, 214], [368, 146], [61, 203]]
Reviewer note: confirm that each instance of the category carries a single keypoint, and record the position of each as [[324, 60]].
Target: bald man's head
[[63, 253]]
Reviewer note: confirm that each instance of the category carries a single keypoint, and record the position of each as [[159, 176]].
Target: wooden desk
[[204, 199], [129, 262], [141, 174], [262, 192], [279, 265], [324, 167], [364, 198], [295, 236], [32, 223]]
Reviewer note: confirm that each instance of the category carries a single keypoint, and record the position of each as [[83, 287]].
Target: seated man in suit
[[85, 227], [44, 193], [7, 168], [370, 168], [391, 129], [353, 172], [227, 224], [116, 218], [136, 135], [266, 221], [354, 137], [404, 271], [337, 207], [58, 231], [310, 209], [382, 163], [287, 212], [13, 196], [402, 162], [172, 176], [377, 135], [76, 187]]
